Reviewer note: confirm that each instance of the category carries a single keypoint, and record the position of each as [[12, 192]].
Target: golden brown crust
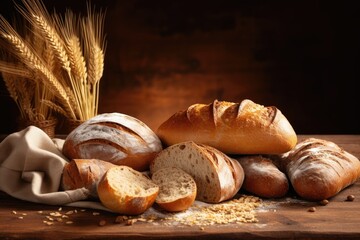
[[116, 138], [262, 177], [234, 128], [132, 194], [319, 169], [86, 173]]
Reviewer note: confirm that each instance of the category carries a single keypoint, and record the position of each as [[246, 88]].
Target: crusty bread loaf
[[262, 177], [116, 138], [319, 169], [177, 189], [86, 173], [233, 128], [217, 176], [127, 191]]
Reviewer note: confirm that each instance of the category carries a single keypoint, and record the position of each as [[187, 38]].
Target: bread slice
[[177, 189], [217, 176], [127, 191]]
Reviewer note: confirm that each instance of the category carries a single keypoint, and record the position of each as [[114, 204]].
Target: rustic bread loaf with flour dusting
[[233, 128], [319, 169], [116, 138], [217, 176], [177, 189]]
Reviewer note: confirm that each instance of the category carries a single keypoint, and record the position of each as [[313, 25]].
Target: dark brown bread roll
[[262, 177], [116, 138], [319, 169]]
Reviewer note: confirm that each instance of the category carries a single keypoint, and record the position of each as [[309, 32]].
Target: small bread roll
[[127, 191], [262, 177], [177, 189]]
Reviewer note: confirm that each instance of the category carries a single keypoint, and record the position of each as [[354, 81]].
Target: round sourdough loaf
[[116, 138], [127, 191], [177, 189], [217, 176]]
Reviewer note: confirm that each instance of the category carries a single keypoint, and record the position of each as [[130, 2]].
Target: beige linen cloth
[[31, 165]]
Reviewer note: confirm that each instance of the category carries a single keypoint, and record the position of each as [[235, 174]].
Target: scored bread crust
[[86, 173], [127, 191], [262, 177], [116, 138], [319, 169], [177, 189], [217, 176], [233, 128]]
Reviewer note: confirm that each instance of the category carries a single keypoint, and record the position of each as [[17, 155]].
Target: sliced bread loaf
[[217, 176], [177, 189], [127, 191]]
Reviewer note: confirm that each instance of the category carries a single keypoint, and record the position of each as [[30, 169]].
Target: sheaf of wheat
[[61, 56]]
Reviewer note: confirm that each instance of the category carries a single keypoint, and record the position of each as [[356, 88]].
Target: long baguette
[[233, 128]]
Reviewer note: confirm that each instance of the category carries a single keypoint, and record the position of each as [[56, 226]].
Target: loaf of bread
[[262, 177], [233, 128], [127, 191], [319, 169], [217, 176], [116, 138], [86, 173], [177, 189]]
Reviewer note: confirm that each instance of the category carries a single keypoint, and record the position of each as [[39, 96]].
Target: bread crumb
[[324, 202]]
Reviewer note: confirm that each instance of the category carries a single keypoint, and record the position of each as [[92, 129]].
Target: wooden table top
[[286, 218]]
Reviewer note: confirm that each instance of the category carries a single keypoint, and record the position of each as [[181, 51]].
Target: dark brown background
[[162, 56]]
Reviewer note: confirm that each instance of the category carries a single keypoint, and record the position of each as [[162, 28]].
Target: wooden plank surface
[[286, 218]]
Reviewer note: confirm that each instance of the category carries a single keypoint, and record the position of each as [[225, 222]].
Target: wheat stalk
[[62, 55]]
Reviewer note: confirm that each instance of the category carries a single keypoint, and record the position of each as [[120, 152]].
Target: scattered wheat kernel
[[65, 216], [20, 217], [69, 222], [40, 212], [60, 209], [312, 209], [55, 214], [102, 223], [95, 213], [83, 210], [24, 214], [324, 202], [14, 212], [130, 222], [75, 211], [69, 212], [350, 198]]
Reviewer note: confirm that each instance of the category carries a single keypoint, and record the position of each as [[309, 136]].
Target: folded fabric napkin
[[31, 165]]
